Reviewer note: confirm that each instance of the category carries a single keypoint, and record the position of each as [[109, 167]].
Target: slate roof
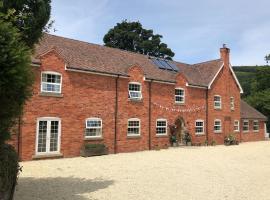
[[248, 112], [86, 56]]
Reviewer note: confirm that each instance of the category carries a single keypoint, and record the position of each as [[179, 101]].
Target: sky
[[193, 29]]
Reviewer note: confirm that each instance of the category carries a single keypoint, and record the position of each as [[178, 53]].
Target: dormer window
[[51, 82], [134, 91], [217, 102]]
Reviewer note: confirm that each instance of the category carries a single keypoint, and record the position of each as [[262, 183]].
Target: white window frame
[[238, 126], [245, 131], [220, 102], [199, 133], [232, 106], [217, 131], [134, 119], [183, 96], [86, 127], [258, 125], [52, 73], [166, 126], [139, 92], [49, 120]]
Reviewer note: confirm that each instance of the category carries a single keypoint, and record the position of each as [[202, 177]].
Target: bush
[[94, 146], [230, 140], [9, 169]]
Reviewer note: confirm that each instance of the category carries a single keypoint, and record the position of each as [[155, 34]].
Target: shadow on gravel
[[64, 188]]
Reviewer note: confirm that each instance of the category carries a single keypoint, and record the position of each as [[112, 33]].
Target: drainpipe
[[19, 137], [206, 107], [116, 114], [149, 117]]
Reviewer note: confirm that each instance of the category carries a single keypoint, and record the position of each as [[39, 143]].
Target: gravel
[[208, 173]]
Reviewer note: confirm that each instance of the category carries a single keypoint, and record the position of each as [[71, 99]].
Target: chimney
[[225, 54]]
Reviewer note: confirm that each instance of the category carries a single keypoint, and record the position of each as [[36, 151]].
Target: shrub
[[94, 146], [9, 169]]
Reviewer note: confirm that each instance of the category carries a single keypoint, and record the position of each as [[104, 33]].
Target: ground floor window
[[245, 126], [133, 127], [217, 126], [255, 125], [48, 135], [199, 127], [93, 127], [236, 126], [161, 127]]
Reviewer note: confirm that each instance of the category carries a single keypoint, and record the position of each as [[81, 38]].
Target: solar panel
[[175, 68], [164, 64], [157, 63]]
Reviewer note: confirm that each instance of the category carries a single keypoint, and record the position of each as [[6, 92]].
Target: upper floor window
[[51, 82], [199, 127], [179, 95], [245, 126], [134, 127], [217, 126], [161, 127], [134, 91], [217, 102], [255, 125], [236, 126], [93, 127], [232, 103]]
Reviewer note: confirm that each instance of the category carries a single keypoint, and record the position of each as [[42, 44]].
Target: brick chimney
[[225, 54]]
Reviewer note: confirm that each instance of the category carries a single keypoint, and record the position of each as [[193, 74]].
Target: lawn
[[192, 173]]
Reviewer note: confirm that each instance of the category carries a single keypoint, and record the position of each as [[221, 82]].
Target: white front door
[[48, 135]]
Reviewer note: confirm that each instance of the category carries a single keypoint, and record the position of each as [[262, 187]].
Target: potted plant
[[187, 139], [93, 150], [230, 140], [173, 139]]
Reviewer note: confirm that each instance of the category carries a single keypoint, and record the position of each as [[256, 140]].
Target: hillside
[[246, 75]]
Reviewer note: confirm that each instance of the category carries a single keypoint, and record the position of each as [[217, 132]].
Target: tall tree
[[21, 26], [131, 36], [31, 17]]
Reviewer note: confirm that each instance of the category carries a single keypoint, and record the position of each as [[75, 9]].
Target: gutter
[[91, 71]]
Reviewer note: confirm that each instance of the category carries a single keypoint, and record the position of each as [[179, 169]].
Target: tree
[[260, 92], [267, 58], [131, 36], [31, 17], [20, 29]]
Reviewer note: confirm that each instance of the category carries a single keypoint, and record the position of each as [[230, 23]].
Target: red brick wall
[[88, 95], [252, 135]]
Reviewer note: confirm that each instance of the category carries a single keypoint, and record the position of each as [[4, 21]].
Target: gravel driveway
[[192, 173]]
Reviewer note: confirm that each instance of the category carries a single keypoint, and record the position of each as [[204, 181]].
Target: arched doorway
[[180, 129]]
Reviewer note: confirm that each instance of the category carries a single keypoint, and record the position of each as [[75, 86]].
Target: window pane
[[42, 134], [54, 136], [93, 123], [134, 87]]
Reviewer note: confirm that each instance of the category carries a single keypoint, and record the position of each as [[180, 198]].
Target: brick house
[[87, 93]]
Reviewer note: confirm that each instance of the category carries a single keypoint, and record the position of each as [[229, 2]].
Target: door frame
[[59, 135]]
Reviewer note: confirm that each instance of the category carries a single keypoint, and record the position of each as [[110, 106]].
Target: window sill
[[135, 100], [245, 132], [218, 108], [133, 137], [179, 104], [41, 156], [49, 94], [161, 136], [92, 138], [199, 134], [220, 132]]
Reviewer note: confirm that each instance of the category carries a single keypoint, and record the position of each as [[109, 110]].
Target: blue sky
[[193, 29]]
